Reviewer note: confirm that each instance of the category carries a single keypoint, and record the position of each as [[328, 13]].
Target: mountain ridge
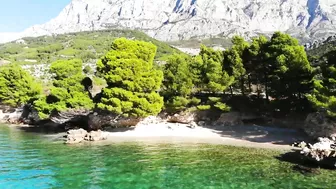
[[170, 20]]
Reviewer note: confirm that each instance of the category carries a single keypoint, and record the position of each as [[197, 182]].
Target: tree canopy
[[136, 86]]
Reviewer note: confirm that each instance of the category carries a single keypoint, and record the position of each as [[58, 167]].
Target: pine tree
[[257, 67], [178, 82], [290, 68], [68, 90], [212, 78], [324, 82], [17, 87], [132, 81], [234, 61]]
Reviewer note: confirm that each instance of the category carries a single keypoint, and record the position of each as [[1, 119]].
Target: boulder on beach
[[78, 135], [95, 136], [184, 118], [75, 136], [229, 119]]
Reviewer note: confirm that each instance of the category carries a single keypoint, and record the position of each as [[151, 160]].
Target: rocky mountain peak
[[182, 19]]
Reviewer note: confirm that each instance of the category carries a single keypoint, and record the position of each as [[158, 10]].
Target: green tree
[[235, 59], [213, 78], [210, 76], [17, 87], [178, 82], [69, 91], [132, 81], [290, 69], [257, 67], [324, 82]]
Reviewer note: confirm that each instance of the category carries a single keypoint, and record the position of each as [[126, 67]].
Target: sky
[[17, 15]]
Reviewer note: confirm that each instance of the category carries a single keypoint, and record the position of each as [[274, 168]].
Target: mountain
[[171, 20]]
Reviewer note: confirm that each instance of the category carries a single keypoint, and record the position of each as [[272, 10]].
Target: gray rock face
[[183, 19]]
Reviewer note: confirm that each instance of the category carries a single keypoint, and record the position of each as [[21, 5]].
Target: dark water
[[33, 161]]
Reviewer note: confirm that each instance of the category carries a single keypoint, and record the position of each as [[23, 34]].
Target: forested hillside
[[83, 45]]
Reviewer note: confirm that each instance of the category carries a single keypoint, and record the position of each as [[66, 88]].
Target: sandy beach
[[152, 130], [245, 136]]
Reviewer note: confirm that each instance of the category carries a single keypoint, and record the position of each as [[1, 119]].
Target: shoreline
[[159, 131], [241, 136], [225, 141], [196, 135]]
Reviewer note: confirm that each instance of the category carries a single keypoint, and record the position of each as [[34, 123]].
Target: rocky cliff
[[182, 19]]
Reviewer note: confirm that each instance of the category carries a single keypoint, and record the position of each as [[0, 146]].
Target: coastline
[[152, 130], [244, 136], [156, 130]]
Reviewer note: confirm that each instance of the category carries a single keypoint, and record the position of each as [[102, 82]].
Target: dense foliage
[[185, 77], [277, 67], [17, 87], [272, 70], [132, 81], [70, 89]]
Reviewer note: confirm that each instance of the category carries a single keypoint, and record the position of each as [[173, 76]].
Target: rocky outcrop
[[319, 124], [80, 135], [10, 115], [323, 152], [20, 115], [183, 19]]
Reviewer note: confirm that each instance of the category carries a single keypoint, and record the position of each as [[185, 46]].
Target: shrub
[[204, 107]]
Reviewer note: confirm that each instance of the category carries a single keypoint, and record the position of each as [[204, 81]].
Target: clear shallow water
[[32, 161]]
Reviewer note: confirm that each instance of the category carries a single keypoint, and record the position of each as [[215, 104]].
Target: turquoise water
[[33, 161]]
